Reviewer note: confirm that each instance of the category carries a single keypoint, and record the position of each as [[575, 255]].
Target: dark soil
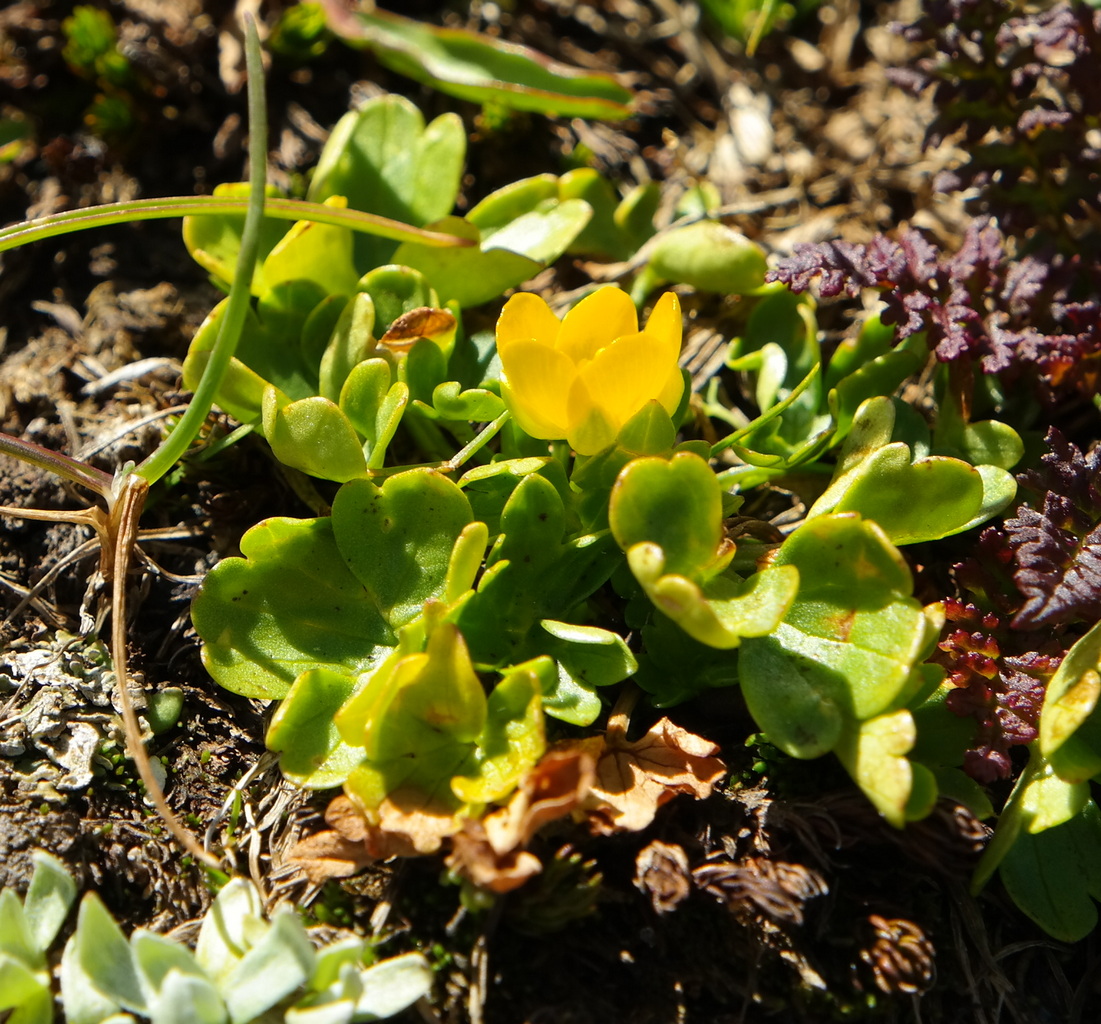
[[806, 141]]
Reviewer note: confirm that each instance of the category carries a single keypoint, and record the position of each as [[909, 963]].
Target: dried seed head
[[661, 871], [901, 958]]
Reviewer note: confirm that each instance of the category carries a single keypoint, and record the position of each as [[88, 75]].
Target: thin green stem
[[233, 319], [484, 436], [771, 414], [60, 465], [279, 208]]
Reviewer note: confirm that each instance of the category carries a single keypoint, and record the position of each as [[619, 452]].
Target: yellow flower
[[583, 377]]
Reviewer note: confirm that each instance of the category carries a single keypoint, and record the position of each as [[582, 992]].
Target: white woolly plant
[[244, 969]]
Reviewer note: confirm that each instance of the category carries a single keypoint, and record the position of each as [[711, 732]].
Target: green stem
[[60, 465], [188, 426], [484, 436], [278, 208]]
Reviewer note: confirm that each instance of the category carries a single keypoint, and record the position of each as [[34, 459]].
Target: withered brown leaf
[[635, 777], [490, 853]]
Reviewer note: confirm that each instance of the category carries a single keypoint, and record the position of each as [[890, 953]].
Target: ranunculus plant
[[523, 531]]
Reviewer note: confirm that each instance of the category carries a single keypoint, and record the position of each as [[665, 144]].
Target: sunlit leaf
[[398, 538], [290, 604], [385, 160], [480, 68]]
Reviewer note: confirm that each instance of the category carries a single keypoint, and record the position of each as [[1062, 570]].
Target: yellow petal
[[670, 394], [597, 320], [526, 317], [590, 430], [537, 384], [627, 375], [665, 321]]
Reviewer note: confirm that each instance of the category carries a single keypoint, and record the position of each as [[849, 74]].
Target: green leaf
[[880, 376], [282, 961], [309, 251], [385, 161], [674, 667], [49, 898], [1052, 875], [20, 985], [269, 353], [1073, 692], [914, 501], [512, 740], [667, 515], [782, 332], [392, 985], [723, 610], [398, 538], [17, 939], [105, 957], [395, 290], [289, 605], [351, 342], [603, 237], [848, 644], [710, 257], [675, 504], [475, 405], [489, 487], [229, 929], [468, 276], [513, 200], [875, 339], [586, 657], [532, 573], [157, 956], [1040, 800], [542, 235], [83, 1003], [214, 242], [374, 407], [874, 753], [593, 656], [480, 68], [188, 999], [418, 719], [302, 730], [312, 435]]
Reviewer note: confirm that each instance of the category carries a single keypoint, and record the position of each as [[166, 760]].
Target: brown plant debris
[[901, 958], [490, 852], [776, 888], [635, 777], [661, 872]]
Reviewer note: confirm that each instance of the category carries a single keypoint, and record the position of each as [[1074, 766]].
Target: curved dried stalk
[[124, 520]]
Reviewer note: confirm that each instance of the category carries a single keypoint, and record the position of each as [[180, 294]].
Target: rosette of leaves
[[340, 344], [338, 614], [830, 643], [244, 967], [326, 377]]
